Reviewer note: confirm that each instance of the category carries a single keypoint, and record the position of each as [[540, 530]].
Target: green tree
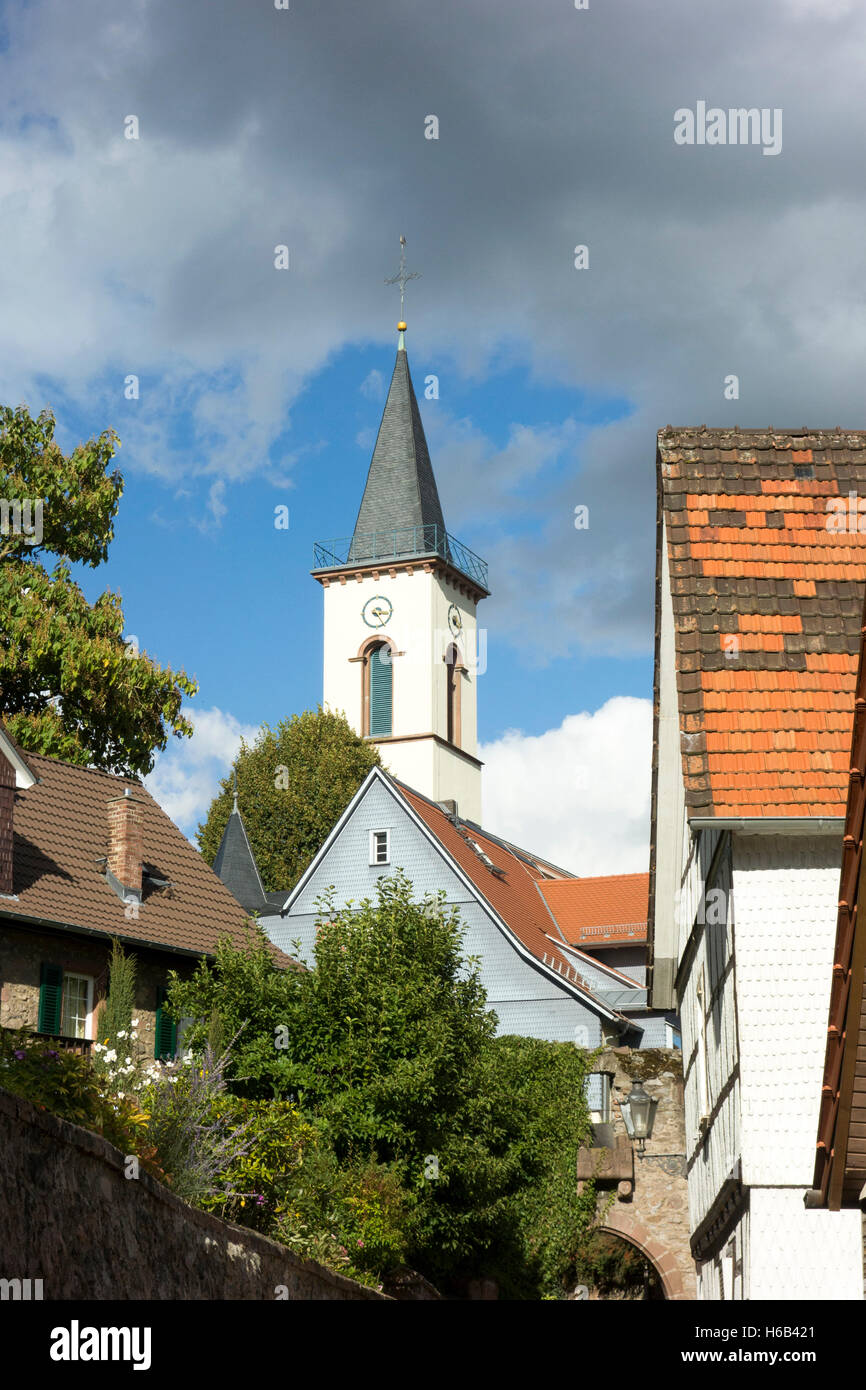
[[120, 999], [387, 1044], [541, 1084], [241, 1002], [294, 783], [70, 687]]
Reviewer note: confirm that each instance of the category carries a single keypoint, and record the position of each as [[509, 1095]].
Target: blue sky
[[230, 598], [308, 128]]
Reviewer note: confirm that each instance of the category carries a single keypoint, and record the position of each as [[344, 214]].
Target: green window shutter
[[50, 999], [380, 693], [165, 1042]]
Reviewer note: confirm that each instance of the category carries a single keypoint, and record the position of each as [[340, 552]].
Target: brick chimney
[[7, 822], [126, 842]]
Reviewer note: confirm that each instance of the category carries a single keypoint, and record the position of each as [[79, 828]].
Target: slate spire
[[234, 863], [401, 494]]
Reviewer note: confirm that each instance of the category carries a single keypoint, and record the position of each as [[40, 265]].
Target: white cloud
[[373, 385], [186, 775], [579, 794], [216, 503]]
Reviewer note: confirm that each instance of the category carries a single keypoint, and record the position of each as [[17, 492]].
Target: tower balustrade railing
[[400, 544]]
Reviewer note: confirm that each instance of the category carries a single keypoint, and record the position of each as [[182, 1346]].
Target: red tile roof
[[767, 600], [61, 835], [514, 895], [607, 911]]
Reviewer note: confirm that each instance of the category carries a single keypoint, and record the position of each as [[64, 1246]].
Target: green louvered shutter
[[50, 999], [380, 694], [165, 1043]]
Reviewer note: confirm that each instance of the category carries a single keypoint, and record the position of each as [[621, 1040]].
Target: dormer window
[[380, 847]]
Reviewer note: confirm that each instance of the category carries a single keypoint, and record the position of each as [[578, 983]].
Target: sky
[[307, 127]]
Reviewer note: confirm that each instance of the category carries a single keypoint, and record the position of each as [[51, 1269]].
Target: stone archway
[[621, 1223], [650, 1209]]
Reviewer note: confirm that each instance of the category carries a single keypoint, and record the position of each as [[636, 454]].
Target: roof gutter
[[771, 825]]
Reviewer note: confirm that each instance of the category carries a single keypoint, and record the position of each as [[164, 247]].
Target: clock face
[[455, 622], [376, 611]]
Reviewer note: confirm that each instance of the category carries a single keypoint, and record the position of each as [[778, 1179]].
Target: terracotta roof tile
[[604, 911], [514, 894], [768, 599]]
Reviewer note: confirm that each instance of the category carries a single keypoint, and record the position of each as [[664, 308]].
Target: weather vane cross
[[403, 276]]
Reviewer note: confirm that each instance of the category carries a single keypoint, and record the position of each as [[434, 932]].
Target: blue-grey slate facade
[[526, 996]]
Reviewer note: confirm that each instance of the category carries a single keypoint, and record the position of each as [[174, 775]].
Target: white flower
[[135, 1023], [122, 1033], [121, 1096], [98, 1047], [111, 1056], [127, 1060]]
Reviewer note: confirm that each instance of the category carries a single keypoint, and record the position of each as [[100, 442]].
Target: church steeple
[[402, 649], [401, 500]]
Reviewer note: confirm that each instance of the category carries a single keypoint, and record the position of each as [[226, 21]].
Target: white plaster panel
[[799, 1254], [786, 892]]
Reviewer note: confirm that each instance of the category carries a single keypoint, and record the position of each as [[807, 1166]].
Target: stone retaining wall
[[69, 1217]]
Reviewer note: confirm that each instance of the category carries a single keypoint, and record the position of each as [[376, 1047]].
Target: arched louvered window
[[380, 690]]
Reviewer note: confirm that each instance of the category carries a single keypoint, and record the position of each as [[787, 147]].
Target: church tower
[[402, 651]]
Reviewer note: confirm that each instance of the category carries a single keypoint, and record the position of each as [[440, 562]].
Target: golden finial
[[401, 326]]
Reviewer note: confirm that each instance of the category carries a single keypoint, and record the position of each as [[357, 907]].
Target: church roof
[[401, 493], [235, 865]]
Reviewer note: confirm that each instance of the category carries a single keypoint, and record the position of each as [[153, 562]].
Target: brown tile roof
[[514, 895], [606, 911], [767, 601], [840, 1163], [61, 834]]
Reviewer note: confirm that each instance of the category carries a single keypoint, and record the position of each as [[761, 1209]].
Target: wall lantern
[[638, 1113]]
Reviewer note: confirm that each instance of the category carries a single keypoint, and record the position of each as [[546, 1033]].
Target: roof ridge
[[78, 767]]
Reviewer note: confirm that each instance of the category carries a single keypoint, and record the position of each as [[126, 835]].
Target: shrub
[[194, 1143], [66, 1084], [263, 1175]]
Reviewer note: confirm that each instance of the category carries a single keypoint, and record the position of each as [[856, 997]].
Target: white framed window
[[380, 847], [76, 1008]]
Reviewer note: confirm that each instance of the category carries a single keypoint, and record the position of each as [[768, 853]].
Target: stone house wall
[[22, 951], [69, 1217]]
